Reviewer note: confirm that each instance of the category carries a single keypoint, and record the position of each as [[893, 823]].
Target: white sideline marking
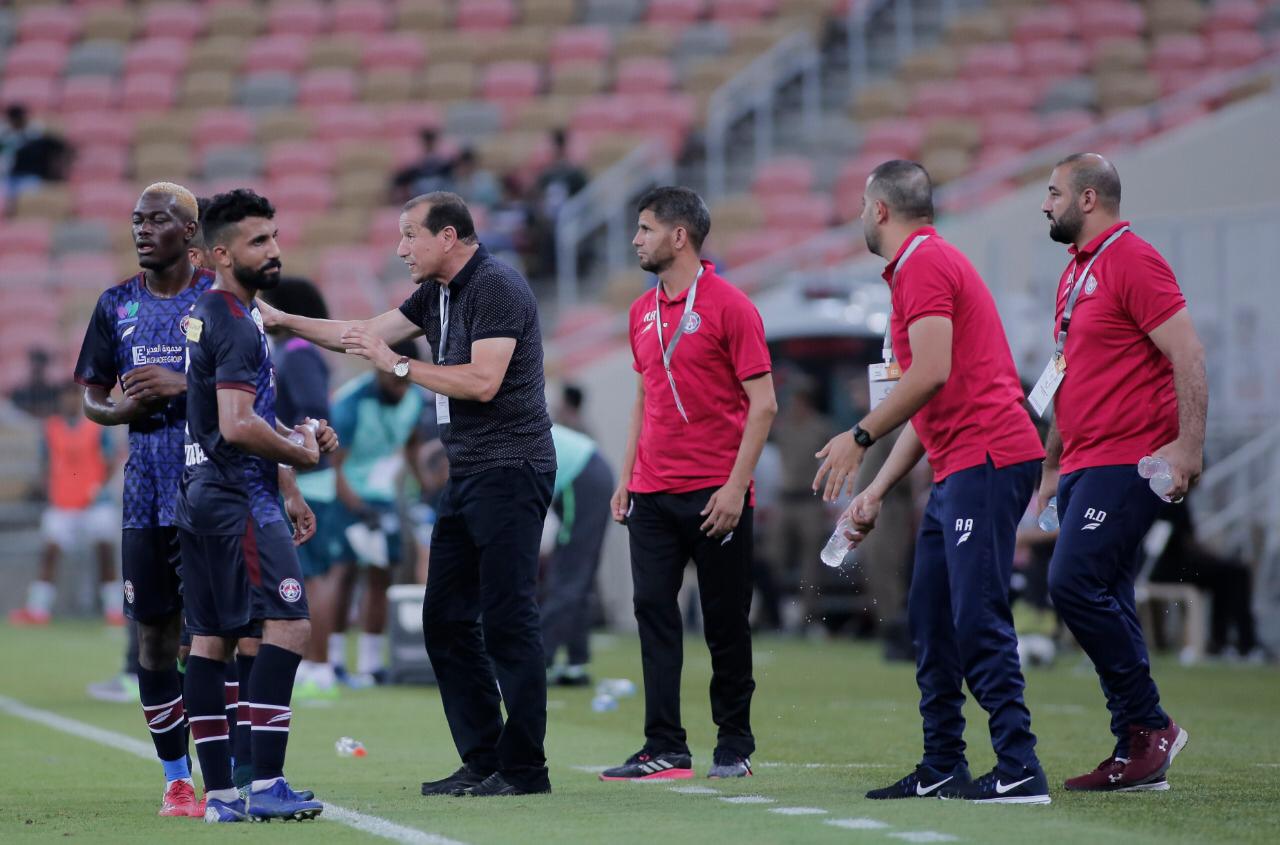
[[748, 799], [695, 790], [372, 825], [1268, 765], [799, 811], [857, 824], [821, 765], [923, 836], [591, 770]]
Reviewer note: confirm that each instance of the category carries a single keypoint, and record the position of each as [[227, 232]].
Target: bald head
[[905, 188], [1092, 171]]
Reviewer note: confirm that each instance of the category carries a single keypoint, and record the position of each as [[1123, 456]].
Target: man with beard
[[699, 422], [238, 558], [480, 615], [1129, 377], [953, 383], [135, 338]]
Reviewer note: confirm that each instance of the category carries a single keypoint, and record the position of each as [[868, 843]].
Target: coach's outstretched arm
[[391, 326], [478, 380], [244, 429]]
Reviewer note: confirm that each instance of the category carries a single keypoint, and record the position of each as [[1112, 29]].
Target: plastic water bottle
[[296, 437], [616, 687], [1159, 474], [1048, 520], [348, 747], [603, 703], [833, 553]]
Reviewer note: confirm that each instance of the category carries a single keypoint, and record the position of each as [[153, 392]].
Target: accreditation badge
[[1041, 396], [442, 409], [883, 378]]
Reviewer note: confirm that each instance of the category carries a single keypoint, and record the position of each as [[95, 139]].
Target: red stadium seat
[[284, 52], [675, 11], [351, 265], [299, 158], [25, 272], [411, 118], [394, 51], [37, 93], [511, 81], [360, 17], [673, 111], [25, 237], [485, 15], [996, 153], [784, 175], [1178, 52], [985, 61], [297, 17], [36, 58], [1053, 59], [88, 92], [1233, 16], [224, 126], [600, 114], [1180, 115], [810, 213], [742, 11], [157, 55], [347, 123], [100, 162], [644, 76], [89, 270], [109, 201], [750, 247], [1045, 23], [1102, 19], [893, 138], [327, 86], [1018, 129], [174, 20], [1067, 122], [142, 92], [581, 43], [939, 99], [292, 194], [1004, 94], [1232, 49], [104, 127], [50, 22]]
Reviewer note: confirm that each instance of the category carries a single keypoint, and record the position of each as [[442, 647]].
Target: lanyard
[[1076, 283], [669, 350], [444, 323], [887, 351]]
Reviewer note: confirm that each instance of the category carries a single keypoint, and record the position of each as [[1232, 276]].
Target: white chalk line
[[372, 825]]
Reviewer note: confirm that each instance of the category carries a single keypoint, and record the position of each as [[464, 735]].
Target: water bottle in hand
[[1159, 473], [296, 437], [1048, 520], [838, 546]]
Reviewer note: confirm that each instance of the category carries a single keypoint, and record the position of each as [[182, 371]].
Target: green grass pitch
[[832, 720]]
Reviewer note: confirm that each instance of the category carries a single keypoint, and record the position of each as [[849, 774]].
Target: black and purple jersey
[[226, 349], [130, 328]]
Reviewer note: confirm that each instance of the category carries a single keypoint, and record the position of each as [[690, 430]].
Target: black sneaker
[[455, 784], [924, 782], [1030, 786], [652, 765], [729, 764], [496, 784]]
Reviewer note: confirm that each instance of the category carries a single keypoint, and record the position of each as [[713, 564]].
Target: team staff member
[[960, 392], [481, 320], [701, 416], [1132, 384]]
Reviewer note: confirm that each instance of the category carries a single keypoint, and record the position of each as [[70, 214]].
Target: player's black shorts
[[231, 581], [150, 560]]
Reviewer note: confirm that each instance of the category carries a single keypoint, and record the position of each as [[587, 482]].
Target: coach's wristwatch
[[866, 441], [401, 368]]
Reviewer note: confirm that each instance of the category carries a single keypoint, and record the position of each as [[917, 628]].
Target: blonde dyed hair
[[182, 197]]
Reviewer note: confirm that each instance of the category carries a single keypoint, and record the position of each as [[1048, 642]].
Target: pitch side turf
[[832, 720]]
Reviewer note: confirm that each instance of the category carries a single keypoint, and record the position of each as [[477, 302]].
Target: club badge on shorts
[[290, 590]]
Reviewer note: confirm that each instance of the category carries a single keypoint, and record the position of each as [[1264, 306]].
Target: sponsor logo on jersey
[[127, 313]]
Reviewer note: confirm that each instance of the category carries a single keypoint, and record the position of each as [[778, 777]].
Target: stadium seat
[[174, 20], [612, 12], [545, 114], [785, 175], [222, 54], [1180, 115], [231, 161], [578, 78], [549, 12], [901, 138], [883, 98], [347, 123], [449, 81], [207, 89], [985, 26], [157, 56], [340, 51], [297, 17], [952, 133], [932, 99], [37, 93], [387, 86], [36, 58], [1173, 16], [300, 193], [95, 162], [1232, 49], [328, 86], [267, 89], [1067, 122], [172, 128], [281, 52], [159, 162], [416, 15], [1054, 23], [644, 76], [1052, 59], [97, 57], [475, 15], [49, 23], [511, 81], [110, 201], [224, 126], [235, 20], [1003, 94], [410, 118], [941, 63], [24, 272], [1102, 19], [986, 61], [119, 23], [1018, 130], [741, 11], [98, 126], [394, 51], [677, 12], [88, 92], [581, 43], [361, 17], [300, 158], [1119, 54], [644, 41], [283, 125], [25, 237], [1178, 52], [1233, 16], [1078, 92], [90, 271], [472, 119]]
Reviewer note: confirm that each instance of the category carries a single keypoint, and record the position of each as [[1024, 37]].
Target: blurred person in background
[[555, 185], [568, 411], [698, 424], [580, 498], [432, 474], [38, 396], [432, 172], [473, 182], [376, 416], [78, 458]]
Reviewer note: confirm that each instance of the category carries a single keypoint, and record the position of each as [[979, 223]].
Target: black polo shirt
[[489, 298]]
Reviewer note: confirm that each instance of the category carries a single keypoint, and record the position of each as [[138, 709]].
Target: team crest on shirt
[[692, 322], [128, 591], [290, 590], [1090, 284]]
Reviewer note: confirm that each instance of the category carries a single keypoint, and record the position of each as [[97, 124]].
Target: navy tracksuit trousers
[[1105, 513], [959, 615]]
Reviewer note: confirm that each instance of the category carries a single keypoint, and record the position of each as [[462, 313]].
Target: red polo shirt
[[710, 363], [979, 411], [1116, 402]]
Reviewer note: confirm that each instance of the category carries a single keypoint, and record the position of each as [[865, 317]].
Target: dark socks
[[270, 688], [206, 711], [242, 723], [161, 694]]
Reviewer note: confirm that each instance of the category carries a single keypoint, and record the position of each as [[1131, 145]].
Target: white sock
[[322, 675], [112, 600], [306, 672], [40, 596], [261, 785], [369, 653], [226, 796], [337, 649]]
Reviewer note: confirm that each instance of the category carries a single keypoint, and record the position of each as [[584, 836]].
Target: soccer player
[[238, 558], [1132, 384], [959, 394], [135, 338]]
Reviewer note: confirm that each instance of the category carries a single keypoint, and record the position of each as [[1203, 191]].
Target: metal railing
[[905, 15], [1240, 497], [753, 93], [606, 201]]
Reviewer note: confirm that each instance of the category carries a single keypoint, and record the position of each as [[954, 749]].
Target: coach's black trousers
[[664, 529], [480, 620]]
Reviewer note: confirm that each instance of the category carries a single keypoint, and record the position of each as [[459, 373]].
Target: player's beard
[[657, 263], [1066, 228], [258, 278], [872, 236]]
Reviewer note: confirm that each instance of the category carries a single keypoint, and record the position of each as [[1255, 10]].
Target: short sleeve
[[632, 318], [502, 308], [237, 349], [1150, 291], [97, 361], [415, 307], [304, 378], [924, 288], [744, 339]]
